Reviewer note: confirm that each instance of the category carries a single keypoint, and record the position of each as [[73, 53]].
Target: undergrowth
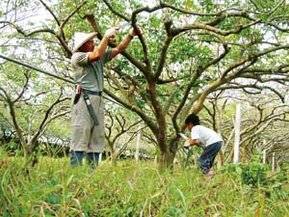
[[132, 188]]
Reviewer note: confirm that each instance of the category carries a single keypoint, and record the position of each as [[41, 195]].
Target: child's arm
[[193, 142]]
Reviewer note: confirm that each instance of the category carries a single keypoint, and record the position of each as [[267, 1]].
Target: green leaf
[[239, 170]]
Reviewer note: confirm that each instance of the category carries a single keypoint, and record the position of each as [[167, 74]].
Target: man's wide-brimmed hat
[[81, 38]]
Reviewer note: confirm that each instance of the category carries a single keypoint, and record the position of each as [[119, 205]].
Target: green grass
[[131, 189]]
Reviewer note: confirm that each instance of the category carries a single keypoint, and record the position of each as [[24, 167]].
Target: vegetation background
[[209, 57]]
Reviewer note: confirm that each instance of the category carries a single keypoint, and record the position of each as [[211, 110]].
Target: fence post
[[237, 132]]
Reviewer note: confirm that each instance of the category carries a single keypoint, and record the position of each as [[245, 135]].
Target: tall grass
[[52, 188]]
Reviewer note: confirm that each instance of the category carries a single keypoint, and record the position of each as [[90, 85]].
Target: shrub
[[252, 174]]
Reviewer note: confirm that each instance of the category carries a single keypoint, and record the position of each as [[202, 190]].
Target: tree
[[171, 69], [30, 108], [117, 125], [264, 118], [166, 96]]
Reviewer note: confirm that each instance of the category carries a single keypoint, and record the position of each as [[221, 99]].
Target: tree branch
[[51, 12], [133, 108], [23, 89]]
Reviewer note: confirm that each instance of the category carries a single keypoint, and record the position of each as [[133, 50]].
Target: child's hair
[[192, 118]]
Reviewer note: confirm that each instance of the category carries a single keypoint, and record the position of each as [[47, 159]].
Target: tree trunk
[[264, 156], [113, 154], [166, 161], [167, 155], [113, 157], [220, 160], [30, 156]]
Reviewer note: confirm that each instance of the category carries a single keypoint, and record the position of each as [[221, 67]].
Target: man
[[209, 140], [88, 110]]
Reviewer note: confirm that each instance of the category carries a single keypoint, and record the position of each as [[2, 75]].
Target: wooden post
[[237, 133]]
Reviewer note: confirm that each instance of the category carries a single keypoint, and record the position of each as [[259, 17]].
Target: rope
[[35, 68], [46, 73]]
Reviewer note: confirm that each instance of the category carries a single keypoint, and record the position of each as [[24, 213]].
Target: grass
[[131, 189]]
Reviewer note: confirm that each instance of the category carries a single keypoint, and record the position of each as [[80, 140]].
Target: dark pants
[[77, 156], [208, 156]]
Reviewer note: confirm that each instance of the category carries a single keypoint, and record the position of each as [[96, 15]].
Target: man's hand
[[110, 33], [135, 32], [125, 42]]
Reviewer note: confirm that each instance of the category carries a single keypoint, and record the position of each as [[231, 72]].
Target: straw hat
[[80, 38]]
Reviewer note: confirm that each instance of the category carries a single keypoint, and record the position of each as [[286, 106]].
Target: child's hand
[[187, 144], [192, 142]]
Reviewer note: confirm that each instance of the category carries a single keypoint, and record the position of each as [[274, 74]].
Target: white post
[[138, 139], [273, 161], [264, 156], [99, 157], [237, 132]]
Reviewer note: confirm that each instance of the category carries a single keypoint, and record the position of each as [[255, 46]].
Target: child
[[209, 140]]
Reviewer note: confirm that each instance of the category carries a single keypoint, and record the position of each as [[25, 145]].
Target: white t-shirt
[[205, 135]]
